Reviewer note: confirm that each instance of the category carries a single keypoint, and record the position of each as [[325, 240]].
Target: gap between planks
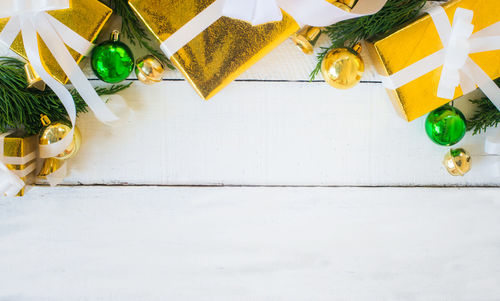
[[252, 80], [454, 186]]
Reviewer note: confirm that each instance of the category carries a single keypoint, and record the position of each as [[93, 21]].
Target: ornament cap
[[357, 48], [34, 80], [115, 35], [45, 120]]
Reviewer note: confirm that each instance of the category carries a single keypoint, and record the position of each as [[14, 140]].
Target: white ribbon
[[30, 18], [458, 68], [311, 12], [10, 180]]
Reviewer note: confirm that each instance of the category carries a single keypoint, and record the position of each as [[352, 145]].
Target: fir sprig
[[134, 30], [21, 107], [348, 33], [485, 116]]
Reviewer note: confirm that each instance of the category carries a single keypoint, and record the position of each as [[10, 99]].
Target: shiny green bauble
[[112, 61], [446, 125]]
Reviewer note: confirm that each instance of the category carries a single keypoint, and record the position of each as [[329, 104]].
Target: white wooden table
[[277, 189]]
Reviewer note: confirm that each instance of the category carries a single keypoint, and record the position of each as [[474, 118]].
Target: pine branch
[[485, 116], [21, 107], [134, 30], [348, 33]]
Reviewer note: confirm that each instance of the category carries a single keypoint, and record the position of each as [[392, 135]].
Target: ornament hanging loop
[[45, 120], [115, 36]]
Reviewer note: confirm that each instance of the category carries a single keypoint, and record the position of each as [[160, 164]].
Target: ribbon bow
[[311, 12], [30, 18], [458, 68]]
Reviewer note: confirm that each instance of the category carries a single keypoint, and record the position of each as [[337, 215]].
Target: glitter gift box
[[220, 53], [420, 39]]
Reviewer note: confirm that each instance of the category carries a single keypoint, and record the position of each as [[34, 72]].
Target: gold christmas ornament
[[343, 68], [149, 70], [55, 132], [34, 80], [457, 162], [306, 38]]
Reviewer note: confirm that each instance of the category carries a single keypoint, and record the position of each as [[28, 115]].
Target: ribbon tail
[[72, 70], [485, 83], [70, 38], [492, 144], [466, 83], [30, 40], [10, 31], [416, 70], [10, 184]]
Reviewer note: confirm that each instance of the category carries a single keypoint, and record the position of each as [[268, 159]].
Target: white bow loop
[[311, 12], [457, 50], [255, 12], [12, 8]]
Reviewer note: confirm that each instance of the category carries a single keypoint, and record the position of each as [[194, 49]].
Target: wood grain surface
[[290, 244]]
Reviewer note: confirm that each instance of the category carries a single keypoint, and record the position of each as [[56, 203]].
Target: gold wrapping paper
[[420, 39], [219, 54], [16, 145], [85, 17]]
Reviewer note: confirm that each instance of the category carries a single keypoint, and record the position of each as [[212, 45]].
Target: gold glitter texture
[[219, 54]]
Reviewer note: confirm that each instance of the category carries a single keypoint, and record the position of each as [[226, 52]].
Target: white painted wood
[[261, 133], [149, 243]]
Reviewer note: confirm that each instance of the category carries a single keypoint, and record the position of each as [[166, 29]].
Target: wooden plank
[[259, 133], [150, 243]]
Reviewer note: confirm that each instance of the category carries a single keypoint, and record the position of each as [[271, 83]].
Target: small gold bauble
[[457, 162], [149, 70], [342, 68], [57, 131]]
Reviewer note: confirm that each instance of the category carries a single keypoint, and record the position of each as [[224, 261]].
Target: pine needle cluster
[[348, 33], [486, 115], [20, 108]]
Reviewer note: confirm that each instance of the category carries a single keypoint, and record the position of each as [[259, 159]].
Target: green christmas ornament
[[446, 125], [112, 61]]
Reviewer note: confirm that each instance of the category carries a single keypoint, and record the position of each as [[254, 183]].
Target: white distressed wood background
[[325, 204]]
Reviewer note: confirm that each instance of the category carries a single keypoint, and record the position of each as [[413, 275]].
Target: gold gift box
[[419, 40], [15, 145], [219, 54], [85, 17]]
